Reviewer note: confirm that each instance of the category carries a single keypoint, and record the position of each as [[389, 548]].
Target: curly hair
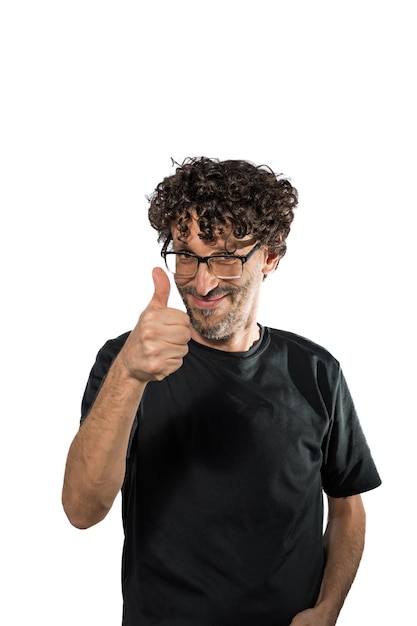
[[228, 197]]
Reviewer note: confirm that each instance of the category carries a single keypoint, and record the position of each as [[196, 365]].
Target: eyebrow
[[216, 252], [183, 247]]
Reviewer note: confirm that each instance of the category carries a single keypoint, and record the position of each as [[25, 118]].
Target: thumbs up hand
[[162, 289], [157, 345]]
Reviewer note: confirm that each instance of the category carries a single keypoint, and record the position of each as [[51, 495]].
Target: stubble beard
[[226, 326]]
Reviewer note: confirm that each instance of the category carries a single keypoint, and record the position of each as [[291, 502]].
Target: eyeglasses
[[185, 264]]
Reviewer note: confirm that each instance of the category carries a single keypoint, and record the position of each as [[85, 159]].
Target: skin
[[344, 543], [221, 314], [224, 312], [95, 467]]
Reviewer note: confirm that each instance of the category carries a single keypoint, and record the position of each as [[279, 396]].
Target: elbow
[[79, 522], [81, 516]]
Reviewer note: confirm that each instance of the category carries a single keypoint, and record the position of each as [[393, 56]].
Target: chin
[[222, 330]]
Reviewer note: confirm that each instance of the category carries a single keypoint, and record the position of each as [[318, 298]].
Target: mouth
[[207, 303]]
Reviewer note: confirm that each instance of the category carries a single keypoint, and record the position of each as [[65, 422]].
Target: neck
[[240, 341]]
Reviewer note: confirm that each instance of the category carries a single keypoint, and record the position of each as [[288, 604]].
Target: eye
[[184, 257], [225, 260]]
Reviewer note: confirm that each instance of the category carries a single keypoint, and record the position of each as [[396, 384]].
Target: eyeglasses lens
[[186, 266]]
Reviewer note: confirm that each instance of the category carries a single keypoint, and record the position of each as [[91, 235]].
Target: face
[[223, 311]]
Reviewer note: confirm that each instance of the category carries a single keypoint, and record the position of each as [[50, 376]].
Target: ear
[[271, 263]]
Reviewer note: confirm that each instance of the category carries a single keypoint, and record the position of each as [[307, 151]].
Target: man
[[222, 434]]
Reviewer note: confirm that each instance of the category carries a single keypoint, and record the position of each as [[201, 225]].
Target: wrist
[[328, 611], [125, 376]]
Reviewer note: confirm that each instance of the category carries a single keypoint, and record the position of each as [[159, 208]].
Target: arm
[[95, 465], [344, 542]]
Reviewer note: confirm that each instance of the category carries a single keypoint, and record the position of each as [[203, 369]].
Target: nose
[[204, 280]]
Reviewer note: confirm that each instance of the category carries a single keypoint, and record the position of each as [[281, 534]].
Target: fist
[[157, 345]]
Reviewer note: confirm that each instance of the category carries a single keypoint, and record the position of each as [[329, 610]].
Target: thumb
[[162, 288]]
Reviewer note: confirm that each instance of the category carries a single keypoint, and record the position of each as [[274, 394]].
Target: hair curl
[[229, 197]]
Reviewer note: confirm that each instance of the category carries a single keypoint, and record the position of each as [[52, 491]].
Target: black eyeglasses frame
[[206, 259]]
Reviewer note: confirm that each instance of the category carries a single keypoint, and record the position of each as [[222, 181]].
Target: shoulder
[[298, 343], [106, 355], [112, 347]]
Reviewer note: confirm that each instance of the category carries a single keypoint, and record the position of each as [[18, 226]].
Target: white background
[[96, 97]]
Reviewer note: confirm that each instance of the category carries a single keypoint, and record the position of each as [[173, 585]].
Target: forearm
[[95, 465], [344, 543], [96, 461]]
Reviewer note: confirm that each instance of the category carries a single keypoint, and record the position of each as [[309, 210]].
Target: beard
[[225, 326]]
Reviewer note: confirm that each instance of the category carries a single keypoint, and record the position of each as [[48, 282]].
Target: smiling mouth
[[207, 303]]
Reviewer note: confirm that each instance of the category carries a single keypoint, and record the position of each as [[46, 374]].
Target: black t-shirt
[[223, 494]]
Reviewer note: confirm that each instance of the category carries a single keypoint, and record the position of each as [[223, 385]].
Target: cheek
[[248, 292]]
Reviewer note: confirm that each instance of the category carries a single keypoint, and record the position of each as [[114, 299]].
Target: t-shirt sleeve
[[98, 373], [103, 362], [348, 466]]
